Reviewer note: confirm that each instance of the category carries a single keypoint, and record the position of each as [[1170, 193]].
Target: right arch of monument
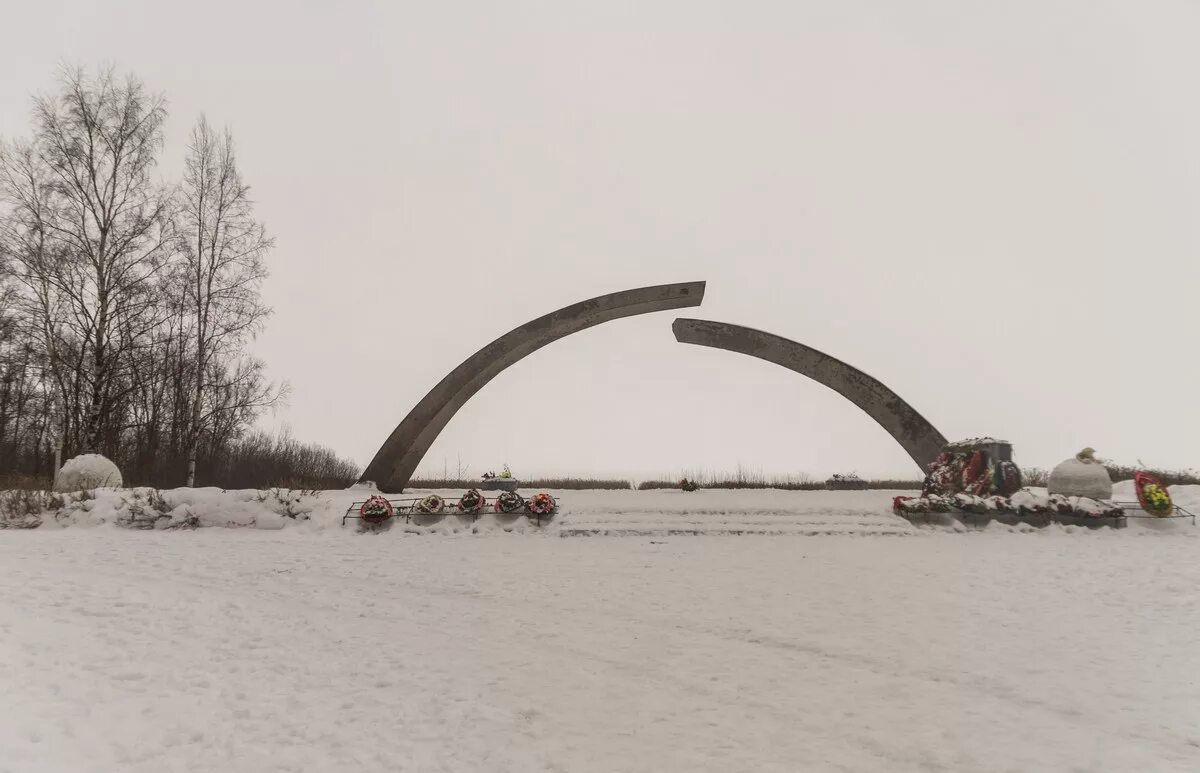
[[910, 429]]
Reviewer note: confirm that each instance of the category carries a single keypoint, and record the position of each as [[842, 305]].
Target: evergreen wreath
[[471, 502], [509, 502], [431, 504]]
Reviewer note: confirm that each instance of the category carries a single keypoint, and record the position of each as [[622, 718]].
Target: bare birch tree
[[108, 222], [32, 262], [224, 249]]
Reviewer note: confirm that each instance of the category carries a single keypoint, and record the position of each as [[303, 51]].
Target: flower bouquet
[[471, 502]]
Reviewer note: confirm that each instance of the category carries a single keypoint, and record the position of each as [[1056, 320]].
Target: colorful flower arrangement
[[542, 504], [376, 510], [508, 502], [471, 502], [431, 504], [1157, 498], [972, 473], [1152, 494]]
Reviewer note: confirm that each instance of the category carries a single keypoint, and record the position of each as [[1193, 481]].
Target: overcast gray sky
[[991, 207]]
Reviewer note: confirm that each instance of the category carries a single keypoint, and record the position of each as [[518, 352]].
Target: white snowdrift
[[242, 652]]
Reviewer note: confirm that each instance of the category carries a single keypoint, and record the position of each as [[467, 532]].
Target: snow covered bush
[[85, 472], [144, 508], [138, 508], [296, 504], [150, 508], [25, 509]]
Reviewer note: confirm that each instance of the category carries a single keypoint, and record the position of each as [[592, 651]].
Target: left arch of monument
[[398, 457]]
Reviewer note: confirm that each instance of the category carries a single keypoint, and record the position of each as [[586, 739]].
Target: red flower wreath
[[376, 510], [542, 504]]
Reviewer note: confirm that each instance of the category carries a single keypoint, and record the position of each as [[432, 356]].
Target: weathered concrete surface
[[400, 454], [911, 430]]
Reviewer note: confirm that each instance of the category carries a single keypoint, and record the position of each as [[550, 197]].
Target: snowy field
[[840, 638]]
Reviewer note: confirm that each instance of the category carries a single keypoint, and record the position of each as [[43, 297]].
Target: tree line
[[127, 303]]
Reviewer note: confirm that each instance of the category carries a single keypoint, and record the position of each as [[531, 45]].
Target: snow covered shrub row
[[150, 508], [297, 504], [145, 508], [141, 508], [24, 509], [1036, 476], [136, 508]]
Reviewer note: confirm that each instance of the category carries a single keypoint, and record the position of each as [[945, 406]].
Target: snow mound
[[1075, 478], [85, 472]]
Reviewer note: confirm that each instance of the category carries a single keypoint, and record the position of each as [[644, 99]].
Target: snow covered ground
[[870, 646]]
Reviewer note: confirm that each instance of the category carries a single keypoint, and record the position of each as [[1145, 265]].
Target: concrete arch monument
[[910, 429], [400, 454]]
